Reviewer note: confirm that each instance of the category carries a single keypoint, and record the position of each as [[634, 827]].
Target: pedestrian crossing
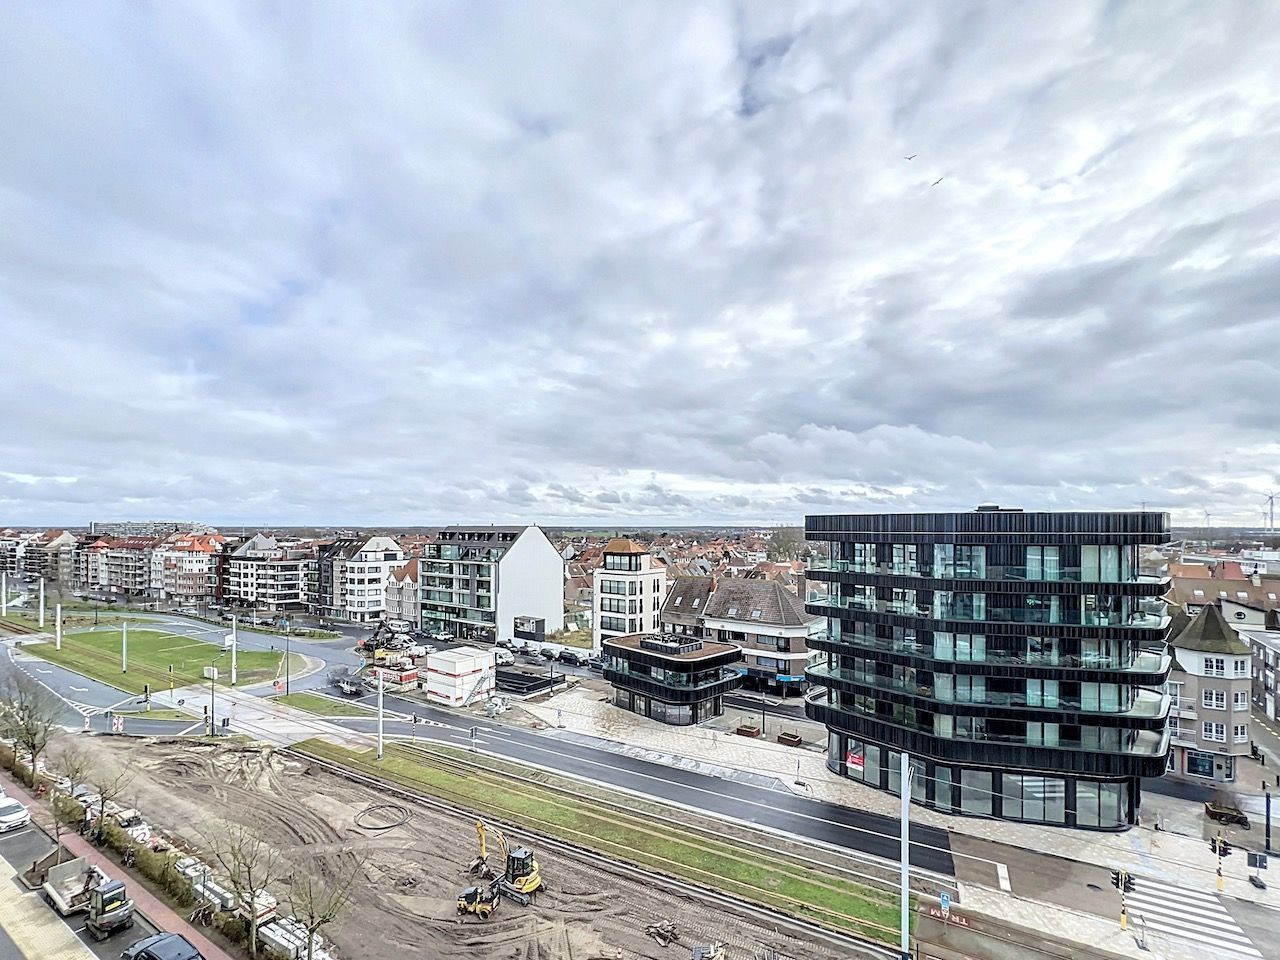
[[1192, 917]]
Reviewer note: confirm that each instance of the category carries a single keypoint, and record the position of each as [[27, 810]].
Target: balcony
[[1152, 617], [1146, 704], [973, 745], [1011, 573]]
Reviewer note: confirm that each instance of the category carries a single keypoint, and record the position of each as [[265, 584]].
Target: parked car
[[13, 815], [575, 657], [504, 658], [162, 946], [442, 636], [595, 662], [504, 642], [552, 651]]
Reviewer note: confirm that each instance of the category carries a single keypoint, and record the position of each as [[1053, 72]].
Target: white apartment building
[[264, 573], [628, 590], [403, 601], [360, 579], [476, 580]]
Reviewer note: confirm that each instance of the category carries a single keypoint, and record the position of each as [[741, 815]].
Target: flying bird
[[912, 157], [938, 181]]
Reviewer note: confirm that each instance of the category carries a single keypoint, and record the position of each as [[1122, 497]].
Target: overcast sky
[[660, 262]]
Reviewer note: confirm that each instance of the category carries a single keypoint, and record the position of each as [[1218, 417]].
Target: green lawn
[[141, 714], [325, 706], [578, 638], [96, 654], [657, 842]]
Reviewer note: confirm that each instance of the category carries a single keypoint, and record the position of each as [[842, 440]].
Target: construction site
[[417, 884]]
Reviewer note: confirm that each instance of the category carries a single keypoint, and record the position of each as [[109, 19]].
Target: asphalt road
[[777, 809]]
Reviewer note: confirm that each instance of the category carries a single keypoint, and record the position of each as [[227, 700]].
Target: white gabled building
[[476, 580], [628, 590], [403, 602]]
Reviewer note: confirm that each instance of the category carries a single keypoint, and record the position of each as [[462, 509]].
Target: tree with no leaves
[[29, 713], [70, 760], [317, 901], [249, 862], [109, 781]]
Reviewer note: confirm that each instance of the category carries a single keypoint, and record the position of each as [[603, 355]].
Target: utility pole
[[4, 593], [904, 782], [1223, 849], [233, 650], [378, 673], [57, 627], [124, 646], [42, 603], [1268, 821]]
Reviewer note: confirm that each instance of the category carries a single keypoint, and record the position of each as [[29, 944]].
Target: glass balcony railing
[[1144, 743], [1145, 703], [674, 679], [1018, 573], [1152, 615]]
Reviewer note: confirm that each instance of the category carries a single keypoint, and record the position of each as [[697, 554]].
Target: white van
[[399, 626]]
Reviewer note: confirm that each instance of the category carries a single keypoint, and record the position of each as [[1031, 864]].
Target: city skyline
[[636, 265]]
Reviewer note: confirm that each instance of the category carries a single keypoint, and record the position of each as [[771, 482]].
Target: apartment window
[[732, 612], [656, 587], [1242, 667], [677, 601], [1213, 699], [1197, 593], [1240, 700], [1241, 733], [1215, 667], [1216, 732], [1222, 594], [1242, 595], [1043, 563]]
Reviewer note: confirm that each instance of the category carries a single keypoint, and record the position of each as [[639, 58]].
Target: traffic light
[[1220, 846], [146, 691], [1128, 882], [1116, 876], [1121, 880]]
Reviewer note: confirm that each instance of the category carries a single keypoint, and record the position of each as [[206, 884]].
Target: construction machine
[[520, 878], [481, 901], [110, 910]]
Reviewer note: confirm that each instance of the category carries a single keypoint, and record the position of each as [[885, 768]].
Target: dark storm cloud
[[580, 262]]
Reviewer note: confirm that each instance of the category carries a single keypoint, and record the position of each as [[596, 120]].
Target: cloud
[[652, 263]]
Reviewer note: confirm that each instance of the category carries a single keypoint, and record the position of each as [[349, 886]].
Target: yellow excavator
[[520, 878]]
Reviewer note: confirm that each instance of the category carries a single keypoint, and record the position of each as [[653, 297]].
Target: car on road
[[504, 642], [504, 658], [13, 815], [574, 657], [162, 946], [595, 662]]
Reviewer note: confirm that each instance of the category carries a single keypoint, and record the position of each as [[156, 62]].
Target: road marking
[[80, 689], [1183, 914], [38, 670], [1002, 873]]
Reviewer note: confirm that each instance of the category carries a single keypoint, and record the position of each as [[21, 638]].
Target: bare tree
[[31, 714], [250, 863], [73, 762], [318, 901], [109, 781]]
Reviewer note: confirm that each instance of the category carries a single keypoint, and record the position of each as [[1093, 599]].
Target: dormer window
[[733, 611], [756, 614]]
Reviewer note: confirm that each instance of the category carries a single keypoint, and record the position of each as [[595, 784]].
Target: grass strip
[[324, 706], [96, 654], [652, 842]]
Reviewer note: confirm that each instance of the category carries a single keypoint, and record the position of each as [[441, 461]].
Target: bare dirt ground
[[183, 788]]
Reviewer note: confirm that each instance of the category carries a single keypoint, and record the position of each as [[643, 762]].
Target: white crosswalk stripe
[[1193, 917]]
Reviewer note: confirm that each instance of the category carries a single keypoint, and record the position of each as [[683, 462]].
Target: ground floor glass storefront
[[676, 714], [1011, 795]]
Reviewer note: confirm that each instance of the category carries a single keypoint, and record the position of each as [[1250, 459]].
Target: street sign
[[944, 900], [211, 673], [1258, 861]]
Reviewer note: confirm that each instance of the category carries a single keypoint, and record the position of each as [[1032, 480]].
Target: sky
[[662, 262]]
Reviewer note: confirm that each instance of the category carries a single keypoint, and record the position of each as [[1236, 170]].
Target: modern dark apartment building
[[676, 680], [1016, 657]]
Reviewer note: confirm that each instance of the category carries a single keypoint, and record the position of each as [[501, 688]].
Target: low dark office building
[[677, 680], [1017, 657]]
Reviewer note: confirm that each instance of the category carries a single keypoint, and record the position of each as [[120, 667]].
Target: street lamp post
[[286, 661], [213, 672]]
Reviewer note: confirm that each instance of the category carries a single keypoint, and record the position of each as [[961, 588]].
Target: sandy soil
[[582, 915]]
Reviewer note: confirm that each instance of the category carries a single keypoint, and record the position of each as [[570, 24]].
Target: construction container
[[458, 677]]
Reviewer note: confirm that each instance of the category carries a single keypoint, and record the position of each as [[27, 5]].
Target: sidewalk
[[147, 904]]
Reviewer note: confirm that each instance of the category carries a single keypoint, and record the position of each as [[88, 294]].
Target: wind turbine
[[1270, 502], [1208, 526]]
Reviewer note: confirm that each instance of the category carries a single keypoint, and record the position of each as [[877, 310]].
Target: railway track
[[813, 930]]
